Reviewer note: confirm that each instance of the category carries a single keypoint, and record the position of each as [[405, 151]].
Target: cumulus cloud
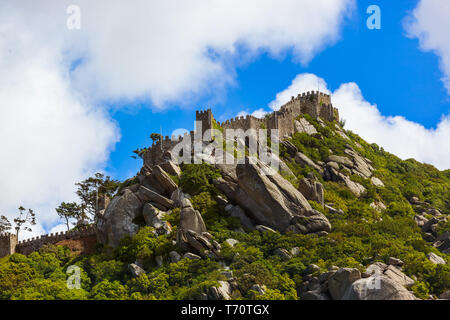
[[49, 137], [404, 138], [54, 80], [302, 83], [172, 50], [260, 113], [429, 23]]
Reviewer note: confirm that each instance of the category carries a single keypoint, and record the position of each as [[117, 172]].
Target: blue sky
[[389, 67], [84, 83]]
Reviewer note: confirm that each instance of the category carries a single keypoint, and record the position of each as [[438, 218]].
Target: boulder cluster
[[268, 198], [257, 195], [428, 219], [339, 168], [379, 282], [264, 200]]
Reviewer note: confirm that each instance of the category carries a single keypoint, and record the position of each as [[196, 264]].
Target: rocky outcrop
[[291, 149], [118, 218], [237, 212], [270, 199], [311, 221], [174, 256], [434, 258], [445, 295], [164, 181], [135, 270], [264, 229], [192, 256], [315, 287], [377, 288], [303, 160], [222, 292], [376, 182], [283, 254], [361, 166], [231, 242], [339, 168], [331, 173], [171, 168], [303, 126], [148, 195], [156, 218], [378, 205], [340, 160], [442, 242], [429, 225], [341, 280], [192, 235], [356, 188], [259, 289], [378, 282], [312, 190]]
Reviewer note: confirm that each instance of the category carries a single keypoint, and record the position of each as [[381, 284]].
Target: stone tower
[[206, 118], [8, 243]]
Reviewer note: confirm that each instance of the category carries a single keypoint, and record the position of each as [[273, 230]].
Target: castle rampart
[[10, 245], [315, 103]]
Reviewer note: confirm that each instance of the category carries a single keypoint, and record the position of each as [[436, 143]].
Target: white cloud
[[397, 135], [430, 23], [171, 50], [260, 113], [302, 83], [50, 138]]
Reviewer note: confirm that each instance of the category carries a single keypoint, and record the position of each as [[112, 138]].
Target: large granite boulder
[[117, 221], [303, 126], [303, 160], [377, 287], [312, 190], [434, 258], [135, 270], [156, 218], [149, 195], [341, 280], [164, 180], [360, 166], [270, 199], [192, 230]]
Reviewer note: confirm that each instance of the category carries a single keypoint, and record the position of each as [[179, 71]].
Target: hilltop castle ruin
[[316, 104]]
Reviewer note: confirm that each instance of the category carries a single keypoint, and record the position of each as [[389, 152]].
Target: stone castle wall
[[316, 104], [10, 245]]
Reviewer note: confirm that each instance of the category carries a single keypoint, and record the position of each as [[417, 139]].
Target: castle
[[316, 104], [82, 237]]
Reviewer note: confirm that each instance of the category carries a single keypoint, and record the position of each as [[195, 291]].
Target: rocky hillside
[[342, 219]]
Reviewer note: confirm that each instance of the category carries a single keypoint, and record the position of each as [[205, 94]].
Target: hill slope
[[358, 210]]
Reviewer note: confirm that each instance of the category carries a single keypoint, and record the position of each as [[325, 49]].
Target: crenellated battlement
[[10, 245], [315, 103]]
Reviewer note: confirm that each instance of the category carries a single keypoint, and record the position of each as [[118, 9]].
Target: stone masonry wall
[[316, 104], [9, 244]]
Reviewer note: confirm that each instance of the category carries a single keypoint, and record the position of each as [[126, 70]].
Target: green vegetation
[[361, 235]]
